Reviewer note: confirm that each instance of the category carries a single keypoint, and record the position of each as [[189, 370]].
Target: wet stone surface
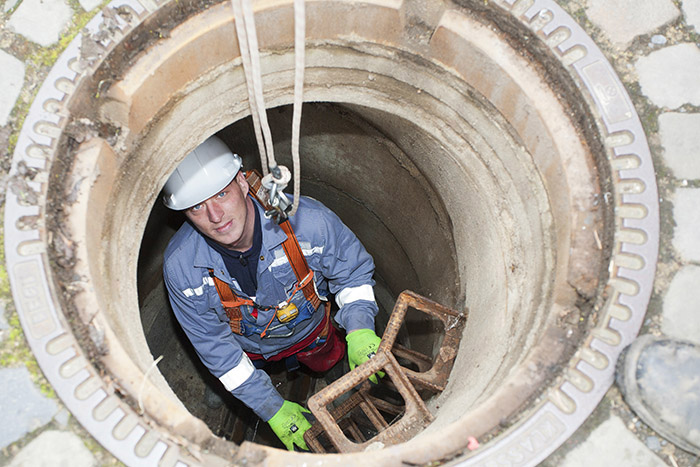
[[623, 20], [22, 407]]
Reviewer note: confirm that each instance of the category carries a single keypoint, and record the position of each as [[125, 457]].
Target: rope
[[143, 382], [241, 32], [250, 56], [299, 58]]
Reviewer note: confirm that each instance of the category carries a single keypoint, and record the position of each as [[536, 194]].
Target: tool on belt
[[286, 311]]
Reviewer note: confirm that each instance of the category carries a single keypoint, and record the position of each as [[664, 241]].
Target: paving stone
[[11, 80], [669, 76], [681, 306], [686, 214], [9, 4], [54, 448], [88, 5], [41, 21], [691, 11], [3, 320], [623, 20], [4, 325], [613, 444], [681, 141], [62, 418], [22, 407]]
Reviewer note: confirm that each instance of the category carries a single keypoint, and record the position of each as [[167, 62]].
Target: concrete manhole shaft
[[486, 152]]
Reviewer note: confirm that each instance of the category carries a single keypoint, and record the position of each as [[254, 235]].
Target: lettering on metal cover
[[33, 303], [526, 446], [607, 92]]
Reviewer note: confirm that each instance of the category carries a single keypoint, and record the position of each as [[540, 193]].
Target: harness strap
[[232, 302], [299, 264], [291, 246]]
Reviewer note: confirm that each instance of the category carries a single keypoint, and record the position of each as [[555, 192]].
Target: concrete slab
[[623, 20], [52, 448], [22, 407], [88, 5], [612, 444], [686, 214], [691, 12], [681, 306], [669, 76], [41, 21], [681, 141], [11, 80]]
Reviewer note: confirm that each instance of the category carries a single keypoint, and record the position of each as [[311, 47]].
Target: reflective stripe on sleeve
[[206, 280], [238, 374], [352, 294], [281, 258]]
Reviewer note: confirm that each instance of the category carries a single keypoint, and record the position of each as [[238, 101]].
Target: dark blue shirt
[[243, 266]]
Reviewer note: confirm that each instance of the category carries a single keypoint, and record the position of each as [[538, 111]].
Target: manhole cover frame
[[568, 405]]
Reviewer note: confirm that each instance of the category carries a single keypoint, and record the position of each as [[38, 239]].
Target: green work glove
[[289, 424], [362, 345]]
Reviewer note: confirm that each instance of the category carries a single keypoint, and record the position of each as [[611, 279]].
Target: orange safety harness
[[305, 276]]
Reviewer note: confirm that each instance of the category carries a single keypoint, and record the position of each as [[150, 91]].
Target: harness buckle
[[287, 313], [274, 182]]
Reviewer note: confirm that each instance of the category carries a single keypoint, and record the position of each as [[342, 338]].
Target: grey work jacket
[[341, 266]]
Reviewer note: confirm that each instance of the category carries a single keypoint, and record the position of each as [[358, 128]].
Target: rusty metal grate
[[432, 376]]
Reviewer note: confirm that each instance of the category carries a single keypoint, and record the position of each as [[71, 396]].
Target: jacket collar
[[206, 257], [203, 255]]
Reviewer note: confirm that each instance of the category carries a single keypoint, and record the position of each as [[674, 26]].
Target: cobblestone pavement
[[655, 47]]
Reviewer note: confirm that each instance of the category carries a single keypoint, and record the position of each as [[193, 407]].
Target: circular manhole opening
[[487, 157]]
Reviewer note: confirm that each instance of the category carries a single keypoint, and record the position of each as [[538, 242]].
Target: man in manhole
[[248, 290]]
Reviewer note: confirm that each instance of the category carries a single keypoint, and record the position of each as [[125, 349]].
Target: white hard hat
[[204, 172]]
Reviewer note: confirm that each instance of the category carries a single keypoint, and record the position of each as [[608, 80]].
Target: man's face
[[226, 217]]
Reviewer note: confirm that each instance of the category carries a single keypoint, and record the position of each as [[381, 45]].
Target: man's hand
[[362, 345], [289, 424]]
